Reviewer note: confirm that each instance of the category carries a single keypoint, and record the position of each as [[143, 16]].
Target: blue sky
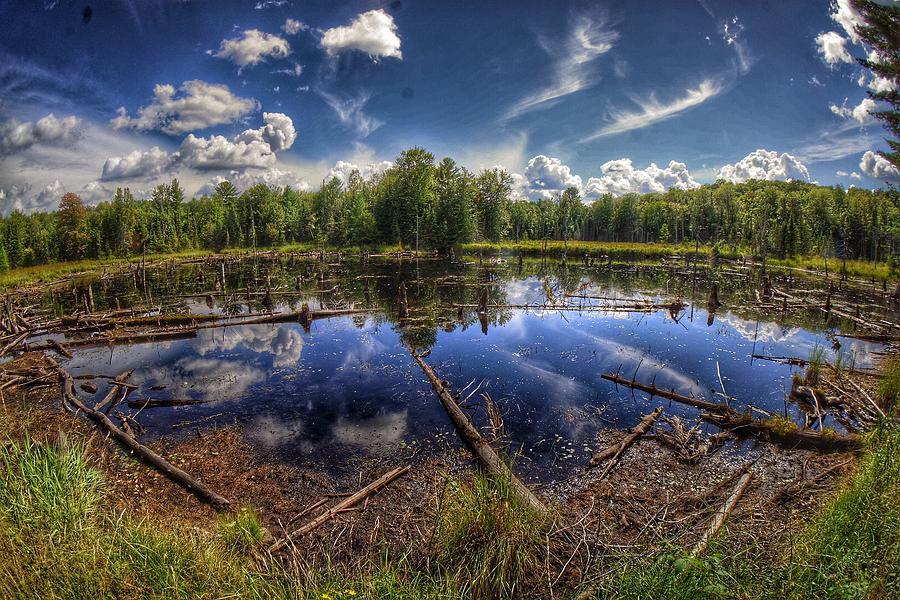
[[604, 96]]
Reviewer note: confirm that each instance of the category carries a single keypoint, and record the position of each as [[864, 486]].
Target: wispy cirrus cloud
[[350, 112], [653, 111], [589, 38]]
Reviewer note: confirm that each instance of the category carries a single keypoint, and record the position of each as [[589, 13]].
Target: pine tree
[[882, 33]]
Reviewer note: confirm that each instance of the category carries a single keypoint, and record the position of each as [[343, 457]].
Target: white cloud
[[881, 85], [877, 167], [832, 48], [652, 111], [350, 112], [293, 26], [16, 136], [859, 113], [251, 148], [51, 194], [621, 177], [373, 32], [242, 180], [848, 17], [853, 175], [588, 39], [547, 176], [137, 164], [342, 169], [264, 4], [252, 47], [295, 71], [766, 165], [196, 105]]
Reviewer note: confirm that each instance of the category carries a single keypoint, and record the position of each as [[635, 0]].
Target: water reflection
[[347, 387]]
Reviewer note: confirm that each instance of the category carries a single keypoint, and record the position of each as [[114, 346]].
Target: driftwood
[[722, 514], [772, 430], [614, 452], [150, 457], [116, 392], [341, 506], [483, 451]]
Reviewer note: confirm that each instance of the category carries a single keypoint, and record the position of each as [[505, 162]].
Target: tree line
[[441, 205]]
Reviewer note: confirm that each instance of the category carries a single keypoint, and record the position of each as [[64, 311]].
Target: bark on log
[[483, 451], [614, 452], [341, 506], [150, 457], [723, 513], [770, 429]]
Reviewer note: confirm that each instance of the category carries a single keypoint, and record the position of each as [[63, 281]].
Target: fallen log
[[614, 452], [784, 433], [158, 403], [341, 506], [722, 513], [116, 392], [67, 388], [483, 451], [778, 431]]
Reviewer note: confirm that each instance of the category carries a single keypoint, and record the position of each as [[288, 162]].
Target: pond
[[347, 386]]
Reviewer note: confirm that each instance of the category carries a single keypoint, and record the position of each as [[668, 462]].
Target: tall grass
[[58, 540], [889, 388], [487, 539]]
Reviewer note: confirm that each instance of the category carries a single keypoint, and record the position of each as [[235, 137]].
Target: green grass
[[814, 368], [58, 540], [889, 387], [850, 548], [487, 539]]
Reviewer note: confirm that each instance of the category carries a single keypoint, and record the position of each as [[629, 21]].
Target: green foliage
[[443, 206], [487, 538]]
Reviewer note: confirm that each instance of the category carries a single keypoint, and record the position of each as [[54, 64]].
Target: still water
[[348, 387]]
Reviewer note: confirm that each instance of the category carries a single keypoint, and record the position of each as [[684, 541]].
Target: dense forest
[[441, 205]]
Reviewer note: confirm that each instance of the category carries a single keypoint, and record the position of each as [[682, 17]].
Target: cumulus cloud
[[547, 176], [877, 167], [350, 112], [848, 18], [252, 47], [373, 32], [293, 26], [832, 48], [652, 111], [251, 148], [588, 39], [342, 170], [621, 177], [853, 175], [859, 113], [880, 85], [242, 180], [16, 136], [137, 164], [196, 105], [767, 165]]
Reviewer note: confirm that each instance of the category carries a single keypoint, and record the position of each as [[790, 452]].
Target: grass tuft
[[487, 538]]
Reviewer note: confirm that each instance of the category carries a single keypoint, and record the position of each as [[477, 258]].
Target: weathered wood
[[771, 430], [722, 513], [615, 451], [483, 451], [67, 386], [341, 506]]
